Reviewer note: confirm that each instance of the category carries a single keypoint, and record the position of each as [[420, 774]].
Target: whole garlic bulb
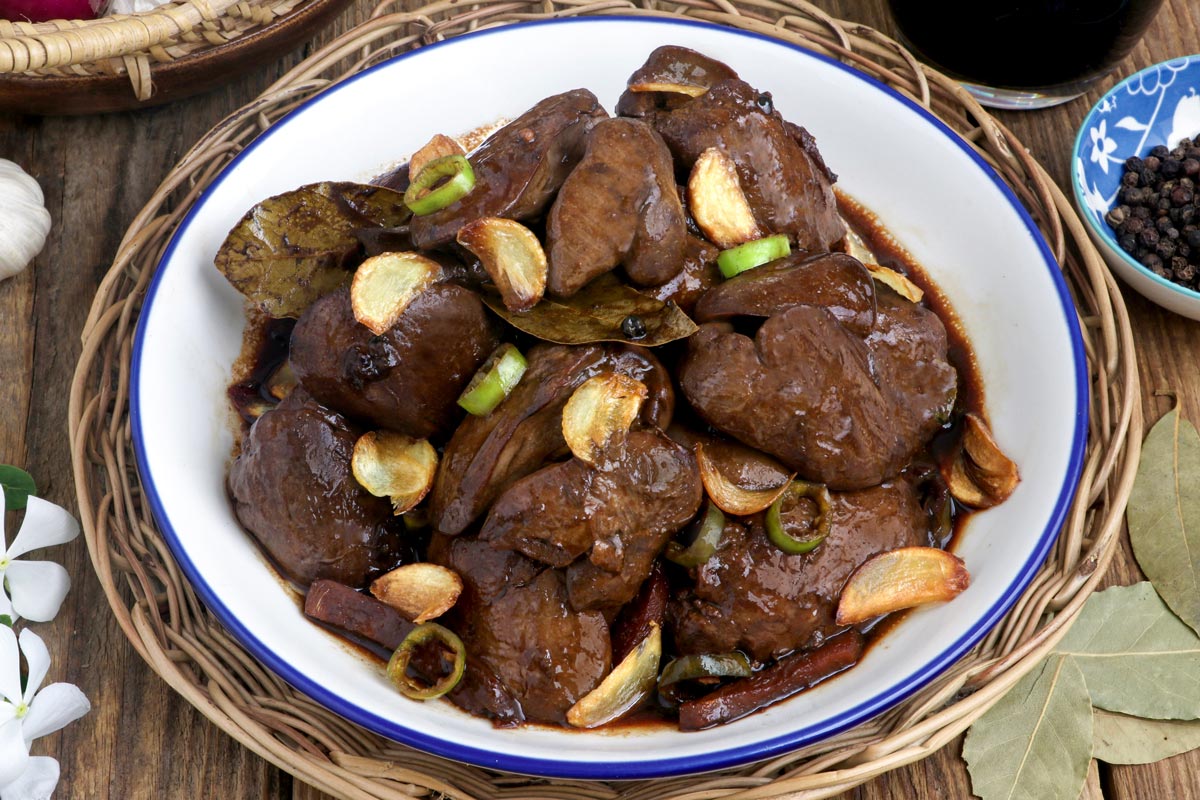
[[24, 220]]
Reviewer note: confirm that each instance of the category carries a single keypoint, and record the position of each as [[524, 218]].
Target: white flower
[[1102, 146], [37, 782], [27, 714], [36, 588]]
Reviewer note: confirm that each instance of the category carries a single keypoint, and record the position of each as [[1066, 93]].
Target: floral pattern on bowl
[[1158, 106]]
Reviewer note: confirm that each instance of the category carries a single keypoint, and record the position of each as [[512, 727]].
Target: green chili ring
[[798, 490], [704, 545], [694, 667], [494, 381], [424, 196], [426, 632], [752, 254]]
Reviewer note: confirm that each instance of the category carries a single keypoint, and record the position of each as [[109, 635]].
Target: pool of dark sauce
[[265, 350]]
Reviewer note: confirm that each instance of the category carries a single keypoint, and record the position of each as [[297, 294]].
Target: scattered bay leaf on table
[[291, 249], [1122, 739], [1036, 743], [595, 314], [1164, 515], [1136, 656], [17, 485]]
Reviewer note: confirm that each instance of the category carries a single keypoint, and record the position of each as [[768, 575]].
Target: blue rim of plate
[[661, 768], [1103, 231]]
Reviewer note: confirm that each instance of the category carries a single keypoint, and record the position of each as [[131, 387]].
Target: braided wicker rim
[[186, 645], [130, 44]]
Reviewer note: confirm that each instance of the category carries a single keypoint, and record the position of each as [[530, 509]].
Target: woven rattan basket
[[127, 61], [184, 643]]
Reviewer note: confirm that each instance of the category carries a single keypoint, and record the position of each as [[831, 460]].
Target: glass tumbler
[[1023, 53]]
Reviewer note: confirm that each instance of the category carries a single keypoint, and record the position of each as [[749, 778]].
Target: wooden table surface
[[141, 740]]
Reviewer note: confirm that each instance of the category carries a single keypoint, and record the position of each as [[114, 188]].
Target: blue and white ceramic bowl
[[1159, 105], [934, 193]]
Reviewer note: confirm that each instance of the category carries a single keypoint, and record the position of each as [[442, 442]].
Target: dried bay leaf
[[291, 249], [1164, 515], [1136, 656], [1036, 742], [595, 314], [1121, 739]]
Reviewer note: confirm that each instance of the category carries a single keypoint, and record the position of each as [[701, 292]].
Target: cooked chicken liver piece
[[839, 410], [751, 596], [620, 515], [670, 64], [487, 454], [834, 281], [292, 488], [519, 168], [619, 206], [407, 380], [788, 191], [513, 616], [698, 274], [908, 351]]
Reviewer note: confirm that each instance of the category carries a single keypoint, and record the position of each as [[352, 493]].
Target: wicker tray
[[185, 644], [123, 62]]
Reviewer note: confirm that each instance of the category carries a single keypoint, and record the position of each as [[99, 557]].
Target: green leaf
[[18, 485], [1121, 739], [1036, 743], [1136, 656], [291, 249], [595, 314], [1164, 515]]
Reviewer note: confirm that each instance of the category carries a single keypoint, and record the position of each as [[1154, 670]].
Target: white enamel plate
[[941, 201]]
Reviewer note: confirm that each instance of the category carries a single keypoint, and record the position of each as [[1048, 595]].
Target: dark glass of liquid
[[1023, 53]]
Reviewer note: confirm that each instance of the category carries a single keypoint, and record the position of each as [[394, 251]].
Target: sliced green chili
[[494, 381], [708, 666], [427, 193], [426, 633], [800, 490], [752, 254], [708, 537]]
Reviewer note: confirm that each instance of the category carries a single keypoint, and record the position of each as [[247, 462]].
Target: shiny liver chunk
[[293, 490], [834, 281], [840, 410], [619, 515], [408, 379], [787, 189], [514, 617], [488, 454], [519, 168], [619, 206], [754, 597]]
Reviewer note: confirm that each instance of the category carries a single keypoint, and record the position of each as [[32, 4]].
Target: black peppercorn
[[633, 327], [1156, 217]]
